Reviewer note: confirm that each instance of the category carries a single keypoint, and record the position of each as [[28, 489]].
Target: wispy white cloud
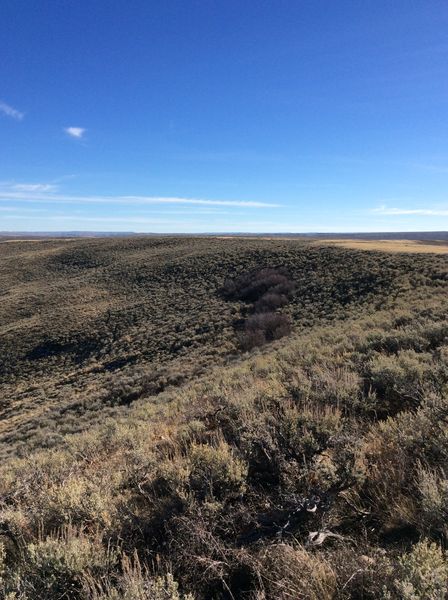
[[430, 212], [75, 132], [47, 195], [9, 111], [98, 219], [28, 211], [34, 187]]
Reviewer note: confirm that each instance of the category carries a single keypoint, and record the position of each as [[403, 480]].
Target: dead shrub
[[134, 583]]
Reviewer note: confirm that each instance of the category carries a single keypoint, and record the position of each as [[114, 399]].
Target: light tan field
[[434, 247]]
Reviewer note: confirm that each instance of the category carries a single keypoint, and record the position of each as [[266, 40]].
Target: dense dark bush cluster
[[257, 284], [264, 327], [267, 290]]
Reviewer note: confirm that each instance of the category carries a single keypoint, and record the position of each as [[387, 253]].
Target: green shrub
[[423, 573], [56, 567], [433, 514], [216, 472], [398, 379]]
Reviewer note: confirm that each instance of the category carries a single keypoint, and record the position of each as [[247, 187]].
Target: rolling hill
[[150, 452]]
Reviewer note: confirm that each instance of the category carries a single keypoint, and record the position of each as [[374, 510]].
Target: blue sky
[[223, 115]]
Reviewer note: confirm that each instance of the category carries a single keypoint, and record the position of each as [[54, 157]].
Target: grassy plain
[[414, 246], [145, 456]]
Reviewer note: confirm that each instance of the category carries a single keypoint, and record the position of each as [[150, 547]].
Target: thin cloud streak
[[98, 219], [34, 187], [39, 196], [384, 210], [9, 111]]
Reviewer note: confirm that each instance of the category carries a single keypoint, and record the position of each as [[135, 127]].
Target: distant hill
[[408, 235]]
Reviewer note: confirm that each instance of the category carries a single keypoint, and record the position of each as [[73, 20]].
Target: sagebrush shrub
[[398, 380], [216, 472], [423, 573], [291, 572], [56, 567], [433, 488]]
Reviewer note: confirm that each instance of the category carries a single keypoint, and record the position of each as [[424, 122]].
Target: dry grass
[[413, 246]]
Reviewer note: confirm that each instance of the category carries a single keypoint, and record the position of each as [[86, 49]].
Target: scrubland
[[151, 452]]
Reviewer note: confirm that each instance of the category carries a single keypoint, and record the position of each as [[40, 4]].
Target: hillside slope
[[311, 468], [90, 325]]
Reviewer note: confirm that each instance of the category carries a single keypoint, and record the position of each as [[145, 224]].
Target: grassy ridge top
[[312, 468]]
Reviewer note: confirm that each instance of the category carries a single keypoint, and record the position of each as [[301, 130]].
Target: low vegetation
[[311, 467]]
